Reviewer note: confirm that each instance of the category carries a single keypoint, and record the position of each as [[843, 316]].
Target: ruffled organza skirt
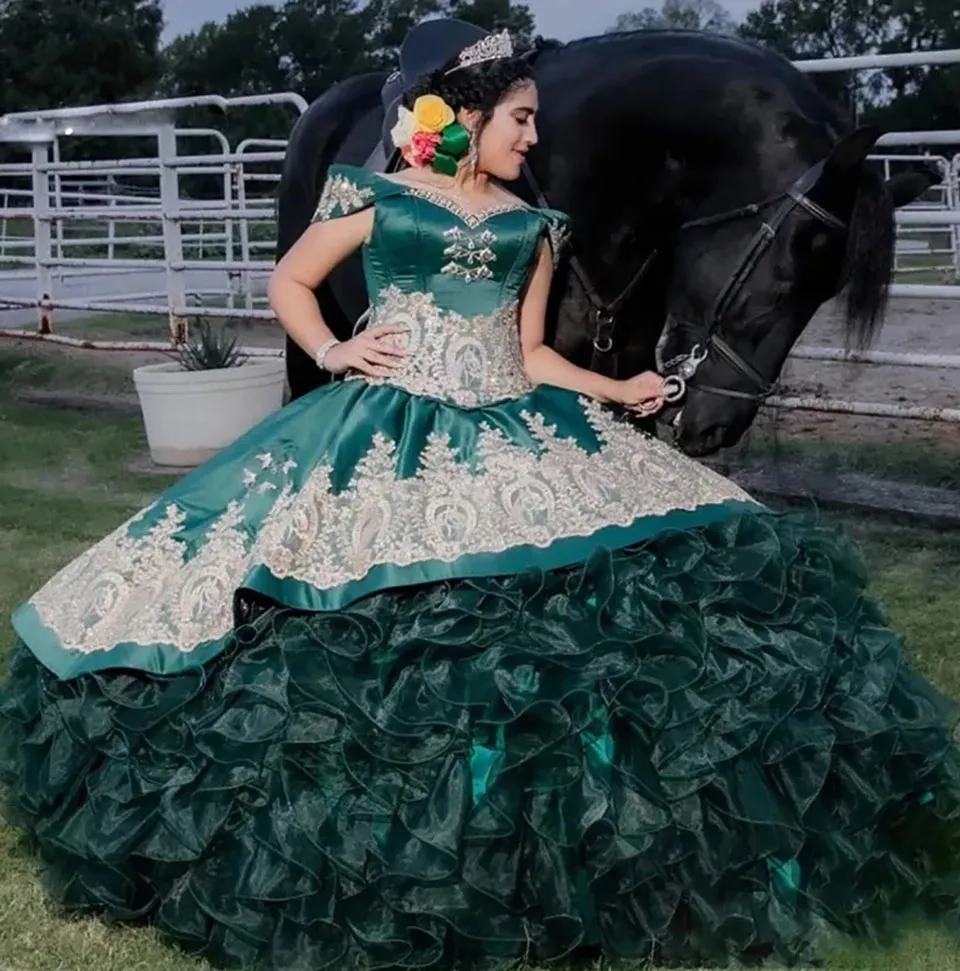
[[705, 745]]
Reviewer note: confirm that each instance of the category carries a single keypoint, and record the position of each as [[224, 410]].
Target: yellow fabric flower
[[432, 113]]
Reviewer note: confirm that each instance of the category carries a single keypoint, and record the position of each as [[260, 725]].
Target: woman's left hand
[[643, 394]]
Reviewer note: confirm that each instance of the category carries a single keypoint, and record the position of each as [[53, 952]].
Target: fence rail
[[66, 203]]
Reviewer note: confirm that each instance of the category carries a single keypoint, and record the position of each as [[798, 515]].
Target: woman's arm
[[545, 366], [322, 247]]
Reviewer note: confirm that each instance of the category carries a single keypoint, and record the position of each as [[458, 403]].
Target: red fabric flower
[[422, 148]]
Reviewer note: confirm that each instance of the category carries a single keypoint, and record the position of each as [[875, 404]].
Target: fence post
[[952, 176], [172, 229], [40, 157], [58, 204]]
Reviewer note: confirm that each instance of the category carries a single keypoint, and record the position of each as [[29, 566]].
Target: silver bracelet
[[322, 351]]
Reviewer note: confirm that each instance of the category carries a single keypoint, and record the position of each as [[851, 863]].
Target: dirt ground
[[918, 325], [912, 325]]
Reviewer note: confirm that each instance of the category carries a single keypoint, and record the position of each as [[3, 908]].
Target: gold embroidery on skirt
[[158, 589]]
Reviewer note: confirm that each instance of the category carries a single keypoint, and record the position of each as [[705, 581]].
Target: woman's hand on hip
[[373, 352]]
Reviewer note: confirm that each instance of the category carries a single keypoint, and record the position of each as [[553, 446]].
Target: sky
[[563, 19]]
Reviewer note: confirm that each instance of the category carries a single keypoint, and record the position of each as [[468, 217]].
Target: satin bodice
[[453, 277]]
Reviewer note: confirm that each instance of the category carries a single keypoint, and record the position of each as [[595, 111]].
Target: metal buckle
[[675, 387], [691, 364], [604, 344]]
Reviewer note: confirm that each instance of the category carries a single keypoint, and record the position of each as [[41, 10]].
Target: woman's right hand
[[368, 353]]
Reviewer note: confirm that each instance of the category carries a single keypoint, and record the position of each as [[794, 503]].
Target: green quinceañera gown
[[445, 668]]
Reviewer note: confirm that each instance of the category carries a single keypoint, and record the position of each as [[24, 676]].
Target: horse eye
[[819, 240]]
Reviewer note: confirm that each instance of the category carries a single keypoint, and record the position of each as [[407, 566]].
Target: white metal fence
[[128, 219], [74, 222]]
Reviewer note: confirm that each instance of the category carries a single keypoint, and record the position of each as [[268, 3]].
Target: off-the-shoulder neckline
[[445, 201], [437, 197]]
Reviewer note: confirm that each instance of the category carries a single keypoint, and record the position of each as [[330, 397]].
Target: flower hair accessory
[[431, 135]]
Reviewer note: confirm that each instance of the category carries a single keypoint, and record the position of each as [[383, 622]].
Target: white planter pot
[[191, 415]]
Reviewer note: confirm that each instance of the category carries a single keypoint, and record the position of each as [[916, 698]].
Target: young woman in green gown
[[448, 663]]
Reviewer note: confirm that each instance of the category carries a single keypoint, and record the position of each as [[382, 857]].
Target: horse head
[[747, 278], [725, 162]]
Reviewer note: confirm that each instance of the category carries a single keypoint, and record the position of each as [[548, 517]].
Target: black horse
[[717, 201]]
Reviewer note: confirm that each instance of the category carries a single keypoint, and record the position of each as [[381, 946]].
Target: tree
[[387, 23], [820, 28], [679, 15], [308, 45], [304, 46], [495, 15], [57, 53], [240, 56], [909, 97], [323, 41]]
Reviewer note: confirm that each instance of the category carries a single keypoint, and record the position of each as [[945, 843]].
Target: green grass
[[918, 462], [129, 326], [66, 480], [923, 267]]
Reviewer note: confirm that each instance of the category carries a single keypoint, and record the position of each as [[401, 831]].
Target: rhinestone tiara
[[493, 47]]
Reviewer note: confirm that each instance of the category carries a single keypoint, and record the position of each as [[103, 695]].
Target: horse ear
[[851, 151], [907, 187]]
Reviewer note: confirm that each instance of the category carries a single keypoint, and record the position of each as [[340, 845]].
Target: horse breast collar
[[604, 312]]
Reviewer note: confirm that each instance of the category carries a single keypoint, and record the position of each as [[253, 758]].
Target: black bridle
[[682, 369], [685, 366]]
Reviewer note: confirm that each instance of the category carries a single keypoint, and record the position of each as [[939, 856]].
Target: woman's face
[[510, 133]]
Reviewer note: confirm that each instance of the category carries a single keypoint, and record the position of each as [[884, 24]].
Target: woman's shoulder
[[556, 226], [350, 188]]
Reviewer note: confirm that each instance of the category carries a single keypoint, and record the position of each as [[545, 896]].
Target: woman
[[475, 671]]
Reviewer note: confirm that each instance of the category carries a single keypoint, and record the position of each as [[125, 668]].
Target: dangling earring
[[474, 154]]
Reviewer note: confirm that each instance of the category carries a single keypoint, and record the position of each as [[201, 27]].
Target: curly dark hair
[[480, 87]]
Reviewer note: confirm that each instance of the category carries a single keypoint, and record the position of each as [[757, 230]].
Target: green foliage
[[918, 98], [304, 46], [210, 347], [58, 53], [308, 45], [709, 15], [495, 15]]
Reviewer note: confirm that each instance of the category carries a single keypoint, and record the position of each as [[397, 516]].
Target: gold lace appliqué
[[469, 217], [468, 361], [340, 197], [559, 235], [161, 588]]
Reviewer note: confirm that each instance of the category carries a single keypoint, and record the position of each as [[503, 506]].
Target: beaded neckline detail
[[470, 217]]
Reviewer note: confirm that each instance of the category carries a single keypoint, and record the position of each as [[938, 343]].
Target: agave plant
[[209, 347]]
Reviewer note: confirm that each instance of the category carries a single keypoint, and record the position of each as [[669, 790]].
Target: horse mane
[[868, 261]]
